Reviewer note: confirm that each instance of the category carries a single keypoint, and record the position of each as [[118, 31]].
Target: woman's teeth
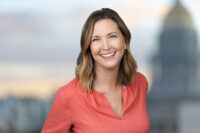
[[108, 55]]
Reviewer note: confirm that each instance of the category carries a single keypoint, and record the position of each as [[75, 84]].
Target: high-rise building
[[175, 72]]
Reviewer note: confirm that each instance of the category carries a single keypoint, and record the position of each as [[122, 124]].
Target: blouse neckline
[[103, 93]]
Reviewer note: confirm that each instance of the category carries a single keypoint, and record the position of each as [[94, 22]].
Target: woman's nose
[[106, 44]]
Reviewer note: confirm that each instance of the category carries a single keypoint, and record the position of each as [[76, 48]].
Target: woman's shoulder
[[140, 81], [68, 90], [140, 77]]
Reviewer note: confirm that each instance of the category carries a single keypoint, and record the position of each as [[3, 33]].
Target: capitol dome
[[178, 17]]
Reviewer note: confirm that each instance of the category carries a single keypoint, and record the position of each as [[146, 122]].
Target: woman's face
[[107, 44]]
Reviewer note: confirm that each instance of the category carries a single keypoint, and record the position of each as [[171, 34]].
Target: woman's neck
[[106, 80]]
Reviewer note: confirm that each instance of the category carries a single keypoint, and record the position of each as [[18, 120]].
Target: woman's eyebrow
[[107, 34], [112, 33], [95, 36]]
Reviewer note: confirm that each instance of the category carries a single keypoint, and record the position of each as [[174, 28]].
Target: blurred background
[[39, 44]]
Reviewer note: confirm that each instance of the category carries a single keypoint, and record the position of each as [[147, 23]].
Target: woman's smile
[[107, 55]]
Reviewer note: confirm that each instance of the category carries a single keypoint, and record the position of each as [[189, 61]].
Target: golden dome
[[178, 17]]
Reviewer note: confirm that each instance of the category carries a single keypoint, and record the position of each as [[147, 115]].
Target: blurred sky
[[39, 39]]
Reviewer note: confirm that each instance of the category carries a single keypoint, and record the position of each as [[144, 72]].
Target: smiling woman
[[108, 95]]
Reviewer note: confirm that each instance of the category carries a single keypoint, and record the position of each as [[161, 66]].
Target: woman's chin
[[110, 66]]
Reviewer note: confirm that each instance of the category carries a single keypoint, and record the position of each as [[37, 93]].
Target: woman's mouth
[[108, 55]]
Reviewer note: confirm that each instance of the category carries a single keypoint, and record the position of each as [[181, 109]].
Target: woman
[[107, 95]]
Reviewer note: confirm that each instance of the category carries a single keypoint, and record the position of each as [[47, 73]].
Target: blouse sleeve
[[143, 81], [58, 120], [146, 84]]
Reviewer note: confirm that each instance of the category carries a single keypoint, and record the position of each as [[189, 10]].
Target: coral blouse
[[79, 111]]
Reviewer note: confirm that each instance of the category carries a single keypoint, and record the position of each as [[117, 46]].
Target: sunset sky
[[39, 40]]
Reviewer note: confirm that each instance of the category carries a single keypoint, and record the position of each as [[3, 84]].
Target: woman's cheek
[[120, 46], [95, 48]]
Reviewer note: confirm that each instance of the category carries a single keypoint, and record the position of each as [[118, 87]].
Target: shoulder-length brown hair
[[85, 63]]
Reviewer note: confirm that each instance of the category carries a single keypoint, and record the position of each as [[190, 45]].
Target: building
[[176, 81]]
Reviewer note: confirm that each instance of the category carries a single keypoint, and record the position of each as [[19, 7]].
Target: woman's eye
[[93, 40], [113, 36]]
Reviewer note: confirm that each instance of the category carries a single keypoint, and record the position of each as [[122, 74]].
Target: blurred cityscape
[[172, 66], [174, 101], [23, 115]]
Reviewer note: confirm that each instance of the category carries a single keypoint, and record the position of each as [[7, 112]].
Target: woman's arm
[[58, 120]]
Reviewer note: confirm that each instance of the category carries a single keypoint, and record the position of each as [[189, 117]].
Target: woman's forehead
[[105, 26]]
